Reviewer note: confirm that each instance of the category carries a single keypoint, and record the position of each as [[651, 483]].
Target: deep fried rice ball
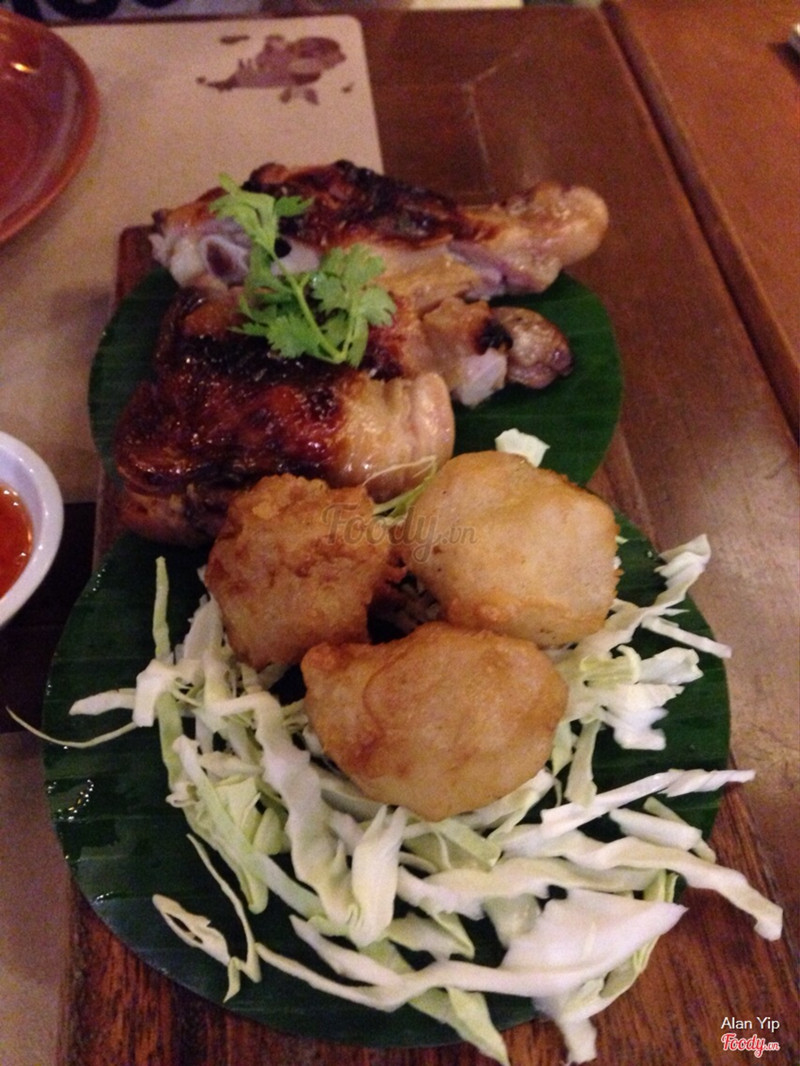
[[295, 564], [510, 547], [441, 721]]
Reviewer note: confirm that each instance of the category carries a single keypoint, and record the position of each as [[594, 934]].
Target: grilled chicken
[[478, 348], [441, 263], [431, 246], [221, 412]]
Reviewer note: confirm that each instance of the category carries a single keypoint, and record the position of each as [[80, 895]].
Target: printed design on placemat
[[291, 66]]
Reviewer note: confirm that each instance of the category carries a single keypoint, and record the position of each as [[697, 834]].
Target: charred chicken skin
[[434, 252], [431, 246], [222, 410]]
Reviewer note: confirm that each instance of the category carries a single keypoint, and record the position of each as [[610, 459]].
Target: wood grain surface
[[479, 104], [724, 86], [710, 966], [703, 446]]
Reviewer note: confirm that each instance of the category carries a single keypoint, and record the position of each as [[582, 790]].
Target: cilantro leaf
[[325, 313]]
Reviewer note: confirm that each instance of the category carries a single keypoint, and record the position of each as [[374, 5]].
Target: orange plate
[[48, 118]]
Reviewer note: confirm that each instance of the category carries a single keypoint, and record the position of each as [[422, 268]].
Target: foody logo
[[420, 537], [737, 1041]]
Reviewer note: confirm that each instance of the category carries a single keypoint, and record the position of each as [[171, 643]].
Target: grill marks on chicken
[[355, 204], [442, 262], [431, 246], [221, 412], [434, 250]]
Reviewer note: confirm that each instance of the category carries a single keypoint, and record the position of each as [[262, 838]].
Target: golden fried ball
[[295, 564], [520, 550], [441, 721]]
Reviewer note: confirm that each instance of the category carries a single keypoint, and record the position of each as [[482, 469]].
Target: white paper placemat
[[180, 102]]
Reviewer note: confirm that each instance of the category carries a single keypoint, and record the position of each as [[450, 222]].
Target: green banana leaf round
[[124, 843], [575, 415]]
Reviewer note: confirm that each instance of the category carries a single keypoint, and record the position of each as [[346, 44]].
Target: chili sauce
[[16, 537]]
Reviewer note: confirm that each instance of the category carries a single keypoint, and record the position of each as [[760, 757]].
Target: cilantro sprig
[[326, 312]]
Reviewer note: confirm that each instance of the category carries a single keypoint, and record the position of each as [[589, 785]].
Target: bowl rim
[[48, 536]]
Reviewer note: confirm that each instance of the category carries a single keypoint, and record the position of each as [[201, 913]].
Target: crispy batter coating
[[296, 563], [505, 546], [441, 721]]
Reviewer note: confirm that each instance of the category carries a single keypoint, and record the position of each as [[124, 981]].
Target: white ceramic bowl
[[25, 472]]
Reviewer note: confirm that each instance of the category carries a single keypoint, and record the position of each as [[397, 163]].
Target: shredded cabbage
[[524, 444], [248, 779]]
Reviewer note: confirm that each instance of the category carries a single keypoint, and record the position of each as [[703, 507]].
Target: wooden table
[[480, 104], [724, 88]]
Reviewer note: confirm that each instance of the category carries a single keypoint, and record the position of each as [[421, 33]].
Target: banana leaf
[[575, 416], [124, 843]]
